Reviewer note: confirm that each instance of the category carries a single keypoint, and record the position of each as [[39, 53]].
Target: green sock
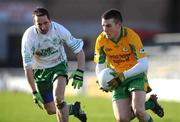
[[149, 104], [150, 119]]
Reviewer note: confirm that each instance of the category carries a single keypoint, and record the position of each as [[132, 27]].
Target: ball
[[103, 78]]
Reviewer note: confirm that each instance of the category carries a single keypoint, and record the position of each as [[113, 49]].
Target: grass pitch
[[19, 107]]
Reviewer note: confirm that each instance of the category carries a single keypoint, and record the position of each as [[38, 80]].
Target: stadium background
[[156, 21]]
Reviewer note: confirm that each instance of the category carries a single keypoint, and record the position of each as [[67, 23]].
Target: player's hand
[[77, 77], [117, 81], [118, 75], [38, 99], [114, 83], [101, 87]]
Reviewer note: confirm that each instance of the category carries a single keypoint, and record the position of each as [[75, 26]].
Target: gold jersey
[[121, 54]]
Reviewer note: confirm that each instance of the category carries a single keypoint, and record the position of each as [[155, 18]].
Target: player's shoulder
[[130, 31], [30, 31], [101, 36], [57, 26], [133, 37]]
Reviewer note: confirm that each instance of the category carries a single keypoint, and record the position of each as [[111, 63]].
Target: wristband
[[34, 92], [80, 70]]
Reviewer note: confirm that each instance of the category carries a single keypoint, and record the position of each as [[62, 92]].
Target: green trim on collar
[[123, 33], [104, 34]]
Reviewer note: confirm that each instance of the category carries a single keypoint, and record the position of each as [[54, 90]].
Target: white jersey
[[41, 51]]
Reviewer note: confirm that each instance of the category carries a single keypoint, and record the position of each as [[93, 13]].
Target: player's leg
[[45, 90], [44, 80], [61, 106], [122, 110], [49, 105], [76, 110], [50, 108], [64, 109], [121, 104], [138, 88], [153, 104], [138, 101]]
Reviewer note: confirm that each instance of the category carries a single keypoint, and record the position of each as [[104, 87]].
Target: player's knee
[[60, 104], [139, 113], [50, 108], [51, 112]]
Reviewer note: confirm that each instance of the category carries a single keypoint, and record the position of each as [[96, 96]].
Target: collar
[[123, 32]]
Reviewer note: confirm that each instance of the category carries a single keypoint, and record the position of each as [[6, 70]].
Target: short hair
[[112, 14], [41, 12]]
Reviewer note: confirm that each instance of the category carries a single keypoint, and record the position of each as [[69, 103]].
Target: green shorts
[[44, 79], [138, 82]]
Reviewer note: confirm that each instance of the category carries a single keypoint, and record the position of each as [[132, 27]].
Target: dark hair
[[41, 12], [112, 14]]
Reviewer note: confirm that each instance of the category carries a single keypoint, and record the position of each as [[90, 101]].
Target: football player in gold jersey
[[121, 49]]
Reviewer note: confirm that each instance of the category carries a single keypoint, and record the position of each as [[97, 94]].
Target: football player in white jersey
[[45, 65]]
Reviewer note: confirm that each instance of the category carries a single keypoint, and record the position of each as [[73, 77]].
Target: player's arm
[[99, 68], [76, 46], [139, 54], [26, 52], [140, 67], [77, 75], [99, 55], [36, 96], [80, 60], [99, 59], [30, 79]]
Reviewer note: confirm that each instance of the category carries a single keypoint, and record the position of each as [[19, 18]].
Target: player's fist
[[118, 75], [77, 78], [117, 80], [114, 83], [38, 99]]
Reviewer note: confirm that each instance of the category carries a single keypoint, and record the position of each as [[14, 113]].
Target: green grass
[[19, 107]]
